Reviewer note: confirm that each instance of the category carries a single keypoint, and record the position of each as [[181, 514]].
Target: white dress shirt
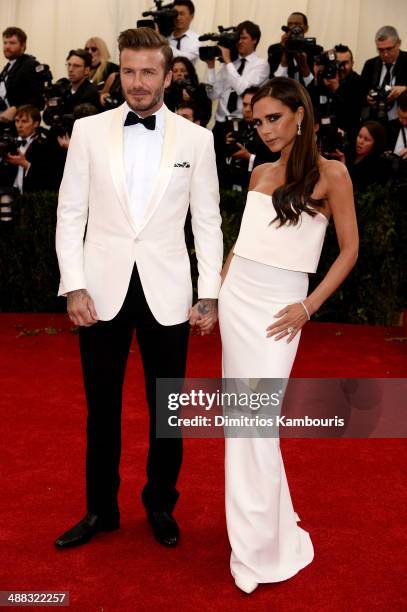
[[227, 79], [401, 140], [142, 155], [189, 45], [18, 182]]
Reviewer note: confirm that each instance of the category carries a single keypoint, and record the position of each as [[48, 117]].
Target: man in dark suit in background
[[389, 70], [30, 168], [19, 81], [299, 66], [79, 63]]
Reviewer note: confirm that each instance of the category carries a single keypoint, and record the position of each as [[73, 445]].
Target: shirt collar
[[248, 58], [187, 34], [160, 116]]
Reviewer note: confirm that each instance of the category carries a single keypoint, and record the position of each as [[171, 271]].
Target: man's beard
[[157, 97]]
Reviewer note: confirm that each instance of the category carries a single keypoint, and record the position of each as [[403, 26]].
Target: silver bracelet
[[306, 310]]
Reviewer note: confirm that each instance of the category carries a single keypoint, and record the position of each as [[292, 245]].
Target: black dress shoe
[[165, 528], [83, 531]]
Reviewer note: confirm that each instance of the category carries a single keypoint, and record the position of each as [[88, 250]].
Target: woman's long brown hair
[[302, 174]]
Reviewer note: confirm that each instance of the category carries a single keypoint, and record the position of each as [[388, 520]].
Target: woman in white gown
[[265, 279]]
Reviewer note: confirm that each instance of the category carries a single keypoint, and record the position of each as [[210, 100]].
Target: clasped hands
[[291, 319]]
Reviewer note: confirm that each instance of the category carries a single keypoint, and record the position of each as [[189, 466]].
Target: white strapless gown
[[267, 543]]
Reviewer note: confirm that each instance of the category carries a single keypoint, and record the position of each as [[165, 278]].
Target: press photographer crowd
[[361, 119]]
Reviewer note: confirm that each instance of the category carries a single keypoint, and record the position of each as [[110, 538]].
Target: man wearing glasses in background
[[388, 69], [79, 63]]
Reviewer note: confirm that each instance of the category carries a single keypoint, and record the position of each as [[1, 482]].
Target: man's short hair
[[402, 101], [304, 17], [85, 55], [190, 5], [386, 32], [251, 28], [84, 110], [250, 90], [17, 32], [30, 110], [343, 49], [146, 38]]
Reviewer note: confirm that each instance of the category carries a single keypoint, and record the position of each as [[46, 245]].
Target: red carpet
[[350, 493]]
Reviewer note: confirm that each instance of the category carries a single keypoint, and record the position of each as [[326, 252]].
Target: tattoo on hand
[[207, 306]]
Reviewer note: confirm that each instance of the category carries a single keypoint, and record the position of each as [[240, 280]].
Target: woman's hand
[[291, 319]]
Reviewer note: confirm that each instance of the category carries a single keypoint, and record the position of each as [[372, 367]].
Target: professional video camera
[[297, 42], [329, 137], [163, 16], [380, 107], [331, 66], [225, 37]]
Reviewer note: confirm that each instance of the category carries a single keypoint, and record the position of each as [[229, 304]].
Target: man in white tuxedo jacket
[[130, 176]]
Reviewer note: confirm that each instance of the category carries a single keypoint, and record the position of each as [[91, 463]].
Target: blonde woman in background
[[101, 67]]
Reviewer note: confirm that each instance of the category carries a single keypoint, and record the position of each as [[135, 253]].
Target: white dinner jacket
[[93, 196]]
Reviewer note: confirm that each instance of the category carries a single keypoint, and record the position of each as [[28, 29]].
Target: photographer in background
[[385, 76], [29, 167], [185, 87], [298, 65], [397, 129], [363, 159], [183, 40], [79, 64], [19, 80], [233, 79], [339, 90]]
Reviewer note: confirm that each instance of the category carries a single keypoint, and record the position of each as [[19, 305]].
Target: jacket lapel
[[116, 162], [166, 166]]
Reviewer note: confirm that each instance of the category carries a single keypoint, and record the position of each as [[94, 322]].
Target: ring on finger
[[290, 330]]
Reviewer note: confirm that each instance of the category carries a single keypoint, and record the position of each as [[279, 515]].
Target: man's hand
[[9, 113], [332, 84], [204, 315], [403, 153], [370, 100], [63, 141], [302, 63], [225, 54], [19, 160], [396, 90], [243, 153], [81, 309], [210, 62]]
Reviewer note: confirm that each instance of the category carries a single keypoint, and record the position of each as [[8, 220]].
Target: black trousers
[[104, 351]]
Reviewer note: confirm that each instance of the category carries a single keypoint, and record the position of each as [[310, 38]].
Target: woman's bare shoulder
[[332, 169], [261, 174]]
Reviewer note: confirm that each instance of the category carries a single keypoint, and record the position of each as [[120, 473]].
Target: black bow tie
[[133, 119]]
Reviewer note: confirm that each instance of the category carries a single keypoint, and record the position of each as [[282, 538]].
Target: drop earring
[[299, 129]]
